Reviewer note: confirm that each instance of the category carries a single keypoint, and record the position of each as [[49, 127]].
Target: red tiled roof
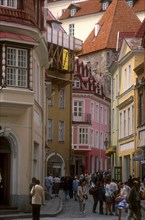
[[141, 30], [139, 6], [18, 37], [85, 8], [118, 18]]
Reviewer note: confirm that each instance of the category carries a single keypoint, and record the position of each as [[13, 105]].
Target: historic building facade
[[59, 75], [90, 122], [23, 53]]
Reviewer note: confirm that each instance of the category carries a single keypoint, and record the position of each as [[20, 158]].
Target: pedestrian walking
[[134, 207], [33, 183], [56, 185], [37, 193], [82, 195], [108, 197], [101, 196], [75, 185], [48, 185]]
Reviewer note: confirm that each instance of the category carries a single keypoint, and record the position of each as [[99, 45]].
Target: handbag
[[92, 190]]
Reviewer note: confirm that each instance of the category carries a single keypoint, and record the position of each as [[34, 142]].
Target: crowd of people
[[110, 196]]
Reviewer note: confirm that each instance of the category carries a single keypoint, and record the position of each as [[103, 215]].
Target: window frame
[[61, 131], [19, 67], [13, 3], [71, 29]]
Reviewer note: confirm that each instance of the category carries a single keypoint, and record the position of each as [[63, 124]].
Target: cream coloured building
[[124, 129], [24, 54]]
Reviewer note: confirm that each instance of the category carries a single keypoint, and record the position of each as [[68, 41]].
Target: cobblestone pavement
[[71, 211]]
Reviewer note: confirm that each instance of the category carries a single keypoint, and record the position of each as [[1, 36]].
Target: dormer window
[[72, 12], [8, 3], [105, 5], [130, 3]]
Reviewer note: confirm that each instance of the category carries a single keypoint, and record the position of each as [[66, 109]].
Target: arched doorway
[[5, 157], [55, 165]]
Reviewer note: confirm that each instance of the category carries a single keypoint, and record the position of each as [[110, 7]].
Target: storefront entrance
[[5, 152]]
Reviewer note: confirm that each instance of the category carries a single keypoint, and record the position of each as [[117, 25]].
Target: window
[[78, 108], [125, 79], [71, 29], [50, 129], [120, 124], [83, 135], [129, 76], [72, 11], [130, 3], [129, 121], [50, 101], [61, 98], [37, 81], [9, 3], [105, 5], [17, 67], [76, 83], [124, 123], [113, 121], [132, 119], [61, 131]]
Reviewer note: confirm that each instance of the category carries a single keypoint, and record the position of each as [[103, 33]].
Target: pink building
[[90, 122]]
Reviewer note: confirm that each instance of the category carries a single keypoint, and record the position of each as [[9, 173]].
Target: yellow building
[[124, 129], [61, 50]]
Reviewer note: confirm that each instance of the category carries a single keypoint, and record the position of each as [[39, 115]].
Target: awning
[[110, 151], [19, 38], [139, 158]]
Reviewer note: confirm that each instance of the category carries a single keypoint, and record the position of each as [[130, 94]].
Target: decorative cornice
[[126, 102]]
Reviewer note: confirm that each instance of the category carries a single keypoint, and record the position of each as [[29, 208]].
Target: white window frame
[[72, 12], [76, 83], [105, 6], [78, 110], [129, 120], [130, 3], [61, 98], [50, 129], [17, 67], [83, 136], [71, 29], [9, 3], [121, 124], [61, 132]]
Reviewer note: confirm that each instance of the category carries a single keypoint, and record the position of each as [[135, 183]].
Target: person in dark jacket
[[33, 183], [101, 196], [134, 207]]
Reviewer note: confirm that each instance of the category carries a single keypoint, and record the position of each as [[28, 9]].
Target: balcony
[[61, 50], [83, 118], [79, 147]]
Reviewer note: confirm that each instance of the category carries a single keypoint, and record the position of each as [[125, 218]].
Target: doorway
[[5, 153]]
